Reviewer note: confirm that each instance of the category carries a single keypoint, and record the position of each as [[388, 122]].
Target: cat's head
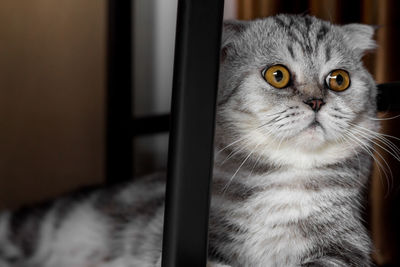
[[293, 90]]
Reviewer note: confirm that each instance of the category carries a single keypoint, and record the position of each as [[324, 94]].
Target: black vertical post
[[190, 158], [119, 150]]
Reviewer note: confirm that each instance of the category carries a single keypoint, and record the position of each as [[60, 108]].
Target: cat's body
[[291, 165], [111, 227]]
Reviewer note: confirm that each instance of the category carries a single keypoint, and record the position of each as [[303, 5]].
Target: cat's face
[[293, 90]]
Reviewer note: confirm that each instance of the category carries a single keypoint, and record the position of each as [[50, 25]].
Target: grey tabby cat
[[293, 155]]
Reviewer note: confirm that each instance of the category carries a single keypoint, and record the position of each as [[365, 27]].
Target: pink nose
[[315, 104]]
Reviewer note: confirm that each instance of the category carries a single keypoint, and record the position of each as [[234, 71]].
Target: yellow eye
[[338, 80], [278, 76]]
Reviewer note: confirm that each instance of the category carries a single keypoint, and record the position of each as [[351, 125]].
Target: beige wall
[[52, 86]]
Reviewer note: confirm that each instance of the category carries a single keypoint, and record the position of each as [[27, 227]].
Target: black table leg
[[119, 143], [190, 160]]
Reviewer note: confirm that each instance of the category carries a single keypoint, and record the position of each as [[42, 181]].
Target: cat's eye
[[338, 80], [278, 76]]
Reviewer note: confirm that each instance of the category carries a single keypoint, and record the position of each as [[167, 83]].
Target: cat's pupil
[[278, 75], [339, 79]]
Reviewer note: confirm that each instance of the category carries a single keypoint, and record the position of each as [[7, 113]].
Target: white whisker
[[383, 119], [369, 149], [240, 166], [395, 150]]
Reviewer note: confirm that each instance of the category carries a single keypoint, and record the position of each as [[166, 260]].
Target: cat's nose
[[315, 103]]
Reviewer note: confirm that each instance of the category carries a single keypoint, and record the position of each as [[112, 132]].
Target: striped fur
[[114, 227], [286, 191]]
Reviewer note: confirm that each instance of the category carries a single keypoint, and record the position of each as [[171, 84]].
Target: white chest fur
[[274, 238], [269, 220]]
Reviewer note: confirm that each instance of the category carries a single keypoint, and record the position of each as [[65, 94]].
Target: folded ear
[[231, 29], [360, 37]]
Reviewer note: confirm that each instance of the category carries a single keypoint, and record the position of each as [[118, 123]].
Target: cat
[[293, 142]]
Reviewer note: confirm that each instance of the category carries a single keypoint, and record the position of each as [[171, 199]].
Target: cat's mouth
[[315, 125], [311, 137]]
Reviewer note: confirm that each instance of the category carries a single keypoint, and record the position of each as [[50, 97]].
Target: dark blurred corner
[[384, 64]]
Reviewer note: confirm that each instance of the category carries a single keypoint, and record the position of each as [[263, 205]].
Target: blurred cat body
[[289, 177]]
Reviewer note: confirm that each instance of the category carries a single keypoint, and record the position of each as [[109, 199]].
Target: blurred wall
[[52, 67], [154, 24]]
